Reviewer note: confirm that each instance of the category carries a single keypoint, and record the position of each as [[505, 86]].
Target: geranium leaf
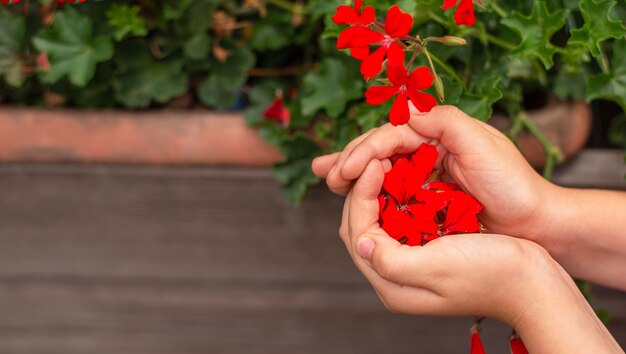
[[220, 89], [599, 26], [295, 173], [535, 31], [126, 21], [331, 88], [612, 85], [140, 79], [12, 29], [72, 49]]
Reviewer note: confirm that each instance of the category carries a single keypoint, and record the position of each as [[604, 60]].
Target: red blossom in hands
[[405, 87], [278, 111], [464, 14], [461, 215], [413, 205]]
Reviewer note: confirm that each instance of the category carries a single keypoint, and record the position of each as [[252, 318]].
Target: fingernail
[[365, 247]]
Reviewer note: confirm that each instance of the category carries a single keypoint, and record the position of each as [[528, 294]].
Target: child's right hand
[[475, 155]]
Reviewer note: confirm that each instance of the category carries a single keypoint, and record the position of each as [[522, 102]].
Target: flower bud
[[449, 41]]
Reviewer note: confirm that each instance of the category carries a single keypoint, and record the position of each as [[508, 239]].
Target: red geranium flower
[[359, 37], [277, 111], [408, 222], [464, 14], [461, 215], [359, 19], [405, 87]]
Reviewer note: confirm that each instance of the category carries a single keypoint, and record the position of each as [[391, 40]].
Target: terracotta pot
[[566, 124], [181, 137]]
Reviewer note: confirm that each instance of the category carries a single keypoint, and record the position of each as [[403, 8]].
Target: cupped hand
[[486, 275], [479, 158]]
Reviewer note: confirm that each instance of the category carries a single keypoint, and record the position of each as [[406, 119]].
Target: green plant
[[227, 53]]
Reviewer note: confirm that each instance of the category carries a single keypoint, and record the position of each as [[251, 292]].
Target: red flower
[[464, 14], [278, 112], [408, 222], [358, 32], [408, 209], [518, 347], [461, 214], [397, 25], [359, 37], [405, 87], [477, 345]]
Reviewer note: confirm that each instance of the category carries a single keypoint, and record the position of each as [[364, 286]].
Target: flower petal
[[395, 55], [346, 15], [423, 102], [360, 52], [376, 95], [398, 24], [464, 14], [368, 16], [398, 180], [399, 114], [357, 5], [397, 75], [420, 78], [373, 64], [448, 4], [424, 161]]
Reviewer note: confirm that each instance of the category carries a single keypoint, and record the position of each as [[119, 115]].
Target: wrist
[[555, 219]]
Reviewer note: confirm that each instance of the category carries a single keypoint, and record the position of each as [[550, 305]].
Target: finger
[[458, 132], [411, 266], [364, 208], [386, 142], [343, 228], [321, 165], [335, 180]]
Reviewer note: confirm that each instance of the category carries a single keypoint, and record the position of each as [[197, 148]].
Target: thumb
[[400, 264]]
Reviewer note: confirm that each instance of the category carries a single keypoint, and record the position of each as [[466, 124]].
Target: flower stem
[[444, 66], [498, 42], [497, 9], [554, 154]]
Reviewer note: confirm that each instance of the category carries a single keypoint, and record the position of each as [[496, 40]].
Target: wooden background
[[138, 260]]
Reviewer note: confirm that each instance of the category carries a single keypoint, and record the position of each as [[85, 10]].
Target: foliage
[[224, 54]]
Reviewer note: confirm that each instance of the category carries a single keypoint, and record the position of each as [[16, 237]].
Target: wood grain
[[113, 259]]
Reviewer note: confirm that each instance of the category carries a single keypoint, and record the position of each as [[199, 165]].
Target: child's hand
[[475, 155], [506, 278], [483, 275]]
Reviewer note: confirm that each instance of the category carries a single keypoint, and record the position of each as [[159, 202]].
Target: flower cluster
[[415, 208], [390, 40]]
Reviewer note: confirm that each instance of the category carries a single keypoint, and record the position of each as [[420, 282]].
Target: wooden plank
[[119, 259], [594, 168]]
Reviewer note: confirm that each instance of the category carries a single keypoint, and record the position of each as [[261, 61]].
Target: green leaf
[[71, 48], [126, 21], [220, 89], [536, 30], [12, 29], [479, 103], [612, 85], [598, 25], [331, 88], [295, 173], [140, 79], [617, 131], [272, 32], [197, 47]]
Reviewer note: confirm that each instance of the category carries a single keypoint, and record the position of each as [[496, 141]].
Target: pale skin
[[514, 279]]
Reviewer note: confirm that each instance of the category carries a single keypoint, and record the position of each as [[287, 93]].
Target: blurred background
[[139, 210]]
